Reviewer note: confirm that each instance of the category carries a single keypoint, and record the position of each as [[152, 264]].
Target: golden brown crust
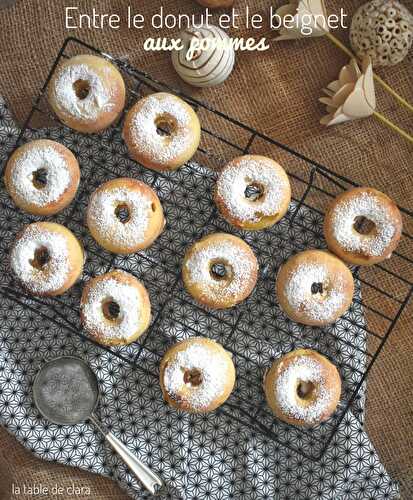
[[215, 350], [156, 216], [329, 373], [337, 270], [128, 279], [70, 192], [113, 82], [216, 4], [266, 220], [356, 258], [217, 301], [152, 160], [75, 251]]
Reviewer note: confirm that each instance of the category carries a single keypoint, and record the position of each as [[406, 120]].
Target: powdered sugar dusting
[[237, 258], [363, 205], [101, 213], [318, 306], [98, 99], [144, 128], [125, 296], [53, 274], [234, 180], [303, 369], [57, 173], [213, 371]]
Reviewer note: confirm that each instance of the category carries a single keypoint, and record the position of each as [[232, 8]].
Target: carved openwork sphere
[[382, 29]]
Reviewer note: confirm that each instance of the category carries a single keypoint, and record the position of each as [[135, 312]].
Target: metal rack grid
[[255, 332]]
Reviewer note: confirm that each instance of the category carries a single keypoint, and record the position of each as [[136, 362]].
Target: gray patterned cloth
[[239, 452]]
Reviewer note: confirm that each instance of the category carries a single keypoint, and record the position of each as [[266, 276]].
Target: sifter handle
[[152, 482]]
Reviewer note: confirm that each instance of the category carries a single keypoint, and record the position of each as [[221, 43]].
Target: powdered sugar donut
[[162, 131], [125, 215], [197, 375], [47, 258], [378, 235], [42, 177], [314, 288], [87, 93], [216, 4], [115, 308], [303, 388], [220, 270], [253, 192]]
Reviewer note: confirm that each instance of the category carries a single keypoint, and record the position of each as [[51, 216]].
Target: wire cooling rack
[[255, 332]]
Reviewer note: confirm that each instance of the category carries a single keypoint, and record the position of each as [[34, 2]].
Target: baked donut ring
[[377, 240], [125, 215], [302, 388], [47, 258], [87, 93], [253, 192], [42, 177], [162, 131], [197, 375], [216, 4], [314, 288], [115, 308], [220, 270]]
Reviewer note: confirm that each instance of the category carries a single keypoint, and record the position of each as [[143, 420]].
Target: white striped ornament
[[208, 67]]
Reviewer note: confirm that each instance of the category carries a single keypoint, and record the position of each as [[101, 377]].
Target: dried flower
[[308, 19], [352, 96]]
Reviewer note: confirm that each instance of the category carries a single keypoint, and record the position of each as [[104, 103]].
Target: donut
[[220, 270], [46, 258], [197, 375], [125, 215], [363, 226], [162, 132], [42, 177], [115, 308], [216, 4], [314, 288], [87, 93], [302, 388], [253, 192]]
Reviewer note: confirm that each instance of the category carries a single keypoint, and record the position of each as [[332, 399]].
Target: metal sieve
[[66, 392]]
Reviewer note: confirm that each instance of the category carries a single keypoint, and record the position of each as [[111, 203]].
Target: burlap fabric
[[275, 92]]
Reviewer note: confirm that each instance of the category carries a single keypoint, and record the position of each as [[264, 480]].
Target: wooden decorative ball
[[383, 30]]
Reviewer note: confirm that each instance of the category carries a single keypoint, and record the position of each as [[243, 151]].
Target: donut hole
[[220, 270], [305, 390], [39, 178], [40, 258], [111, 310], [81, 88], [193, 377], [317, 288], [165, 125], [122, 212], [254, 191], [364, 226]]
